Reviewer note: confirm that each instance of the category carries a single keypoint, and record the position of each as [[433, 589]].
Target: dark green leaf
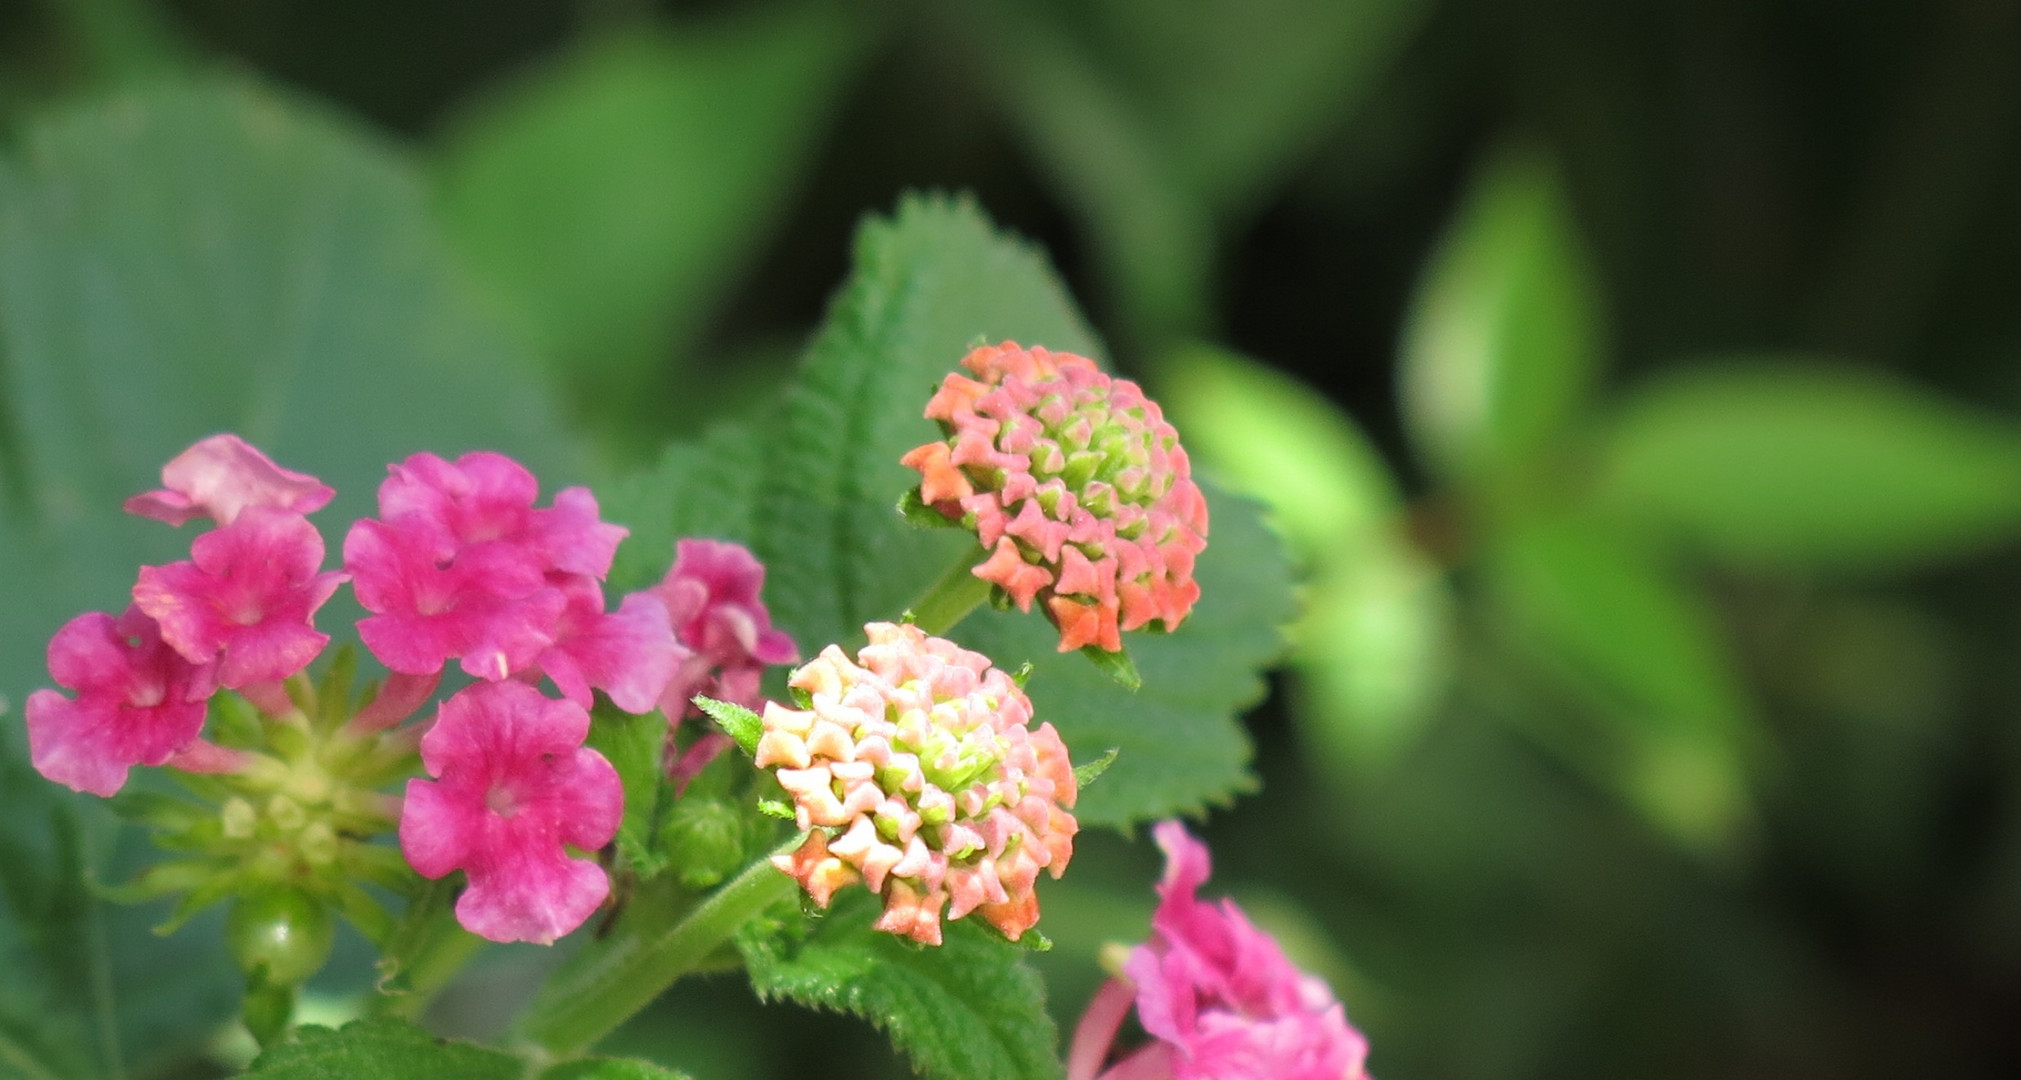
[[1505, 336], [381, 1050], [1601, 612], [635, 746], [608, 201], [968, 1009], [926, 283], [1814, 467], [1181, 742]]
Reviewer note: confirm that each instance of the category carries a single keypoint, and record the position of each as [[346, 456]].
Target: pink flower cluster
[[460, 565], [1217, 996], [915, 770], [1075, 483], [712, 593], [239, 613]]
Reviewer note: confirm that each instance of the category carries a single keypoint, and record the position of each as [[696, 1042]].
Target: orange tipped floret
[[916, 771], [1075, 483]]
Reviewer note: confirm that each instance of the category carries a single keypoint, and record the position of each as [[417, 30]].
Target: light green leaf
[[1372, 648], [739, 723], [1599, 612], [609, 201], [1180, 741], [969, 1009], [1505, 336], [1813, 466], [927, 283], [381, 1050]]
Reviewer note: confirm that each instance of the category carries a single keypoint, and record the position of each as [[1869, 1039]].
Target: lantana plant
[[506, 748]]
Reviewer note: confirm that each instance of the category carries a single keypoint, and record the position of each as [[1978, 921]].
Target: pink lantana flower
[[629, 654], [461, 564], [222, 475], [1216, 994], [139, 702], [713, 594], [246, 598], [514, 788], [487, 498], [491, 607]]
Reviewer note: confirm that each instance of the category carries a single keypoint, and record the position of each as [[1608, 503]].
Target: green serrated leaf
[[576, 197], [635, 745], [1093, 770], [382, 1049], [1815, 466], [968, 1009], [611, 1069], [1505, 336], [739, 723], [777, 808], [1116, 665], [925, 282], [703, 489], [921, 516], [1181, 741]]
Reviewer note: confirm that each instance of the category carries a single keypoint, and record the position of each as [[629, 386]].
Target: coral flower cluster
[[1217, 996], [916, 771], [1074, 483]]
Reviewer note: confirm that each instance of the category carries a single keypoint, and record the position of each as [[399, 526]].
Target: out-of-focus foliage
[[1633, 384]]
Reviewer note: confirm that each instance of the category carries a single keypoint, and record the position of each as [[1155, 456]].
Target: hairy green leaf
[[969, 1009], [1817, 467], [707, 488], [1180, 741], [381, 1050], [927, 283], [635, 746], [738, 722], [1505, 336]]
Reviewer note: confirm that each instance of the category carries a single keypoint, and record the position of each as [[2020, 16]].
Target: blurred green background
[[1636, 383]]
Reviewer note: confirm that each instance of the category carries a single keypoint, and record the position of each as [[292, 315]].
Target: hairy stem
[[655, 943], [950, 599]]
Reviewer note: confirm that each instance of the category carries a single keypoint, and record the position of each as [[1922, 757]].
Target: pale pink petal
[[222, 475]]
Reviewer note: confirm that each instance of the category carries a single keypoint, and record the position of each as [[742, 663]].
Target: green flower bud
[[279, 936]]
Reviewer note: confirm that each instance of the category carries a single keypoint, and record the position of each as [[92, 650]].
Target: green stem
[[949, 600], [653, 944]]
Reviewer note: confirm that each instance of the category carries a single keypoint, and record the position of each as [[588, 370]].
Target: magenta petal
[[514, 789], [574, 537], [712, 595], [247, 597], [223, 475], [532, 899], [72, 743], [629, 655]]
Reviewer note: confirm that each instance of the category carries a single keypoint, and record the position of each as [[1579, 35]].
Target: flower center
[[501, 801]]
